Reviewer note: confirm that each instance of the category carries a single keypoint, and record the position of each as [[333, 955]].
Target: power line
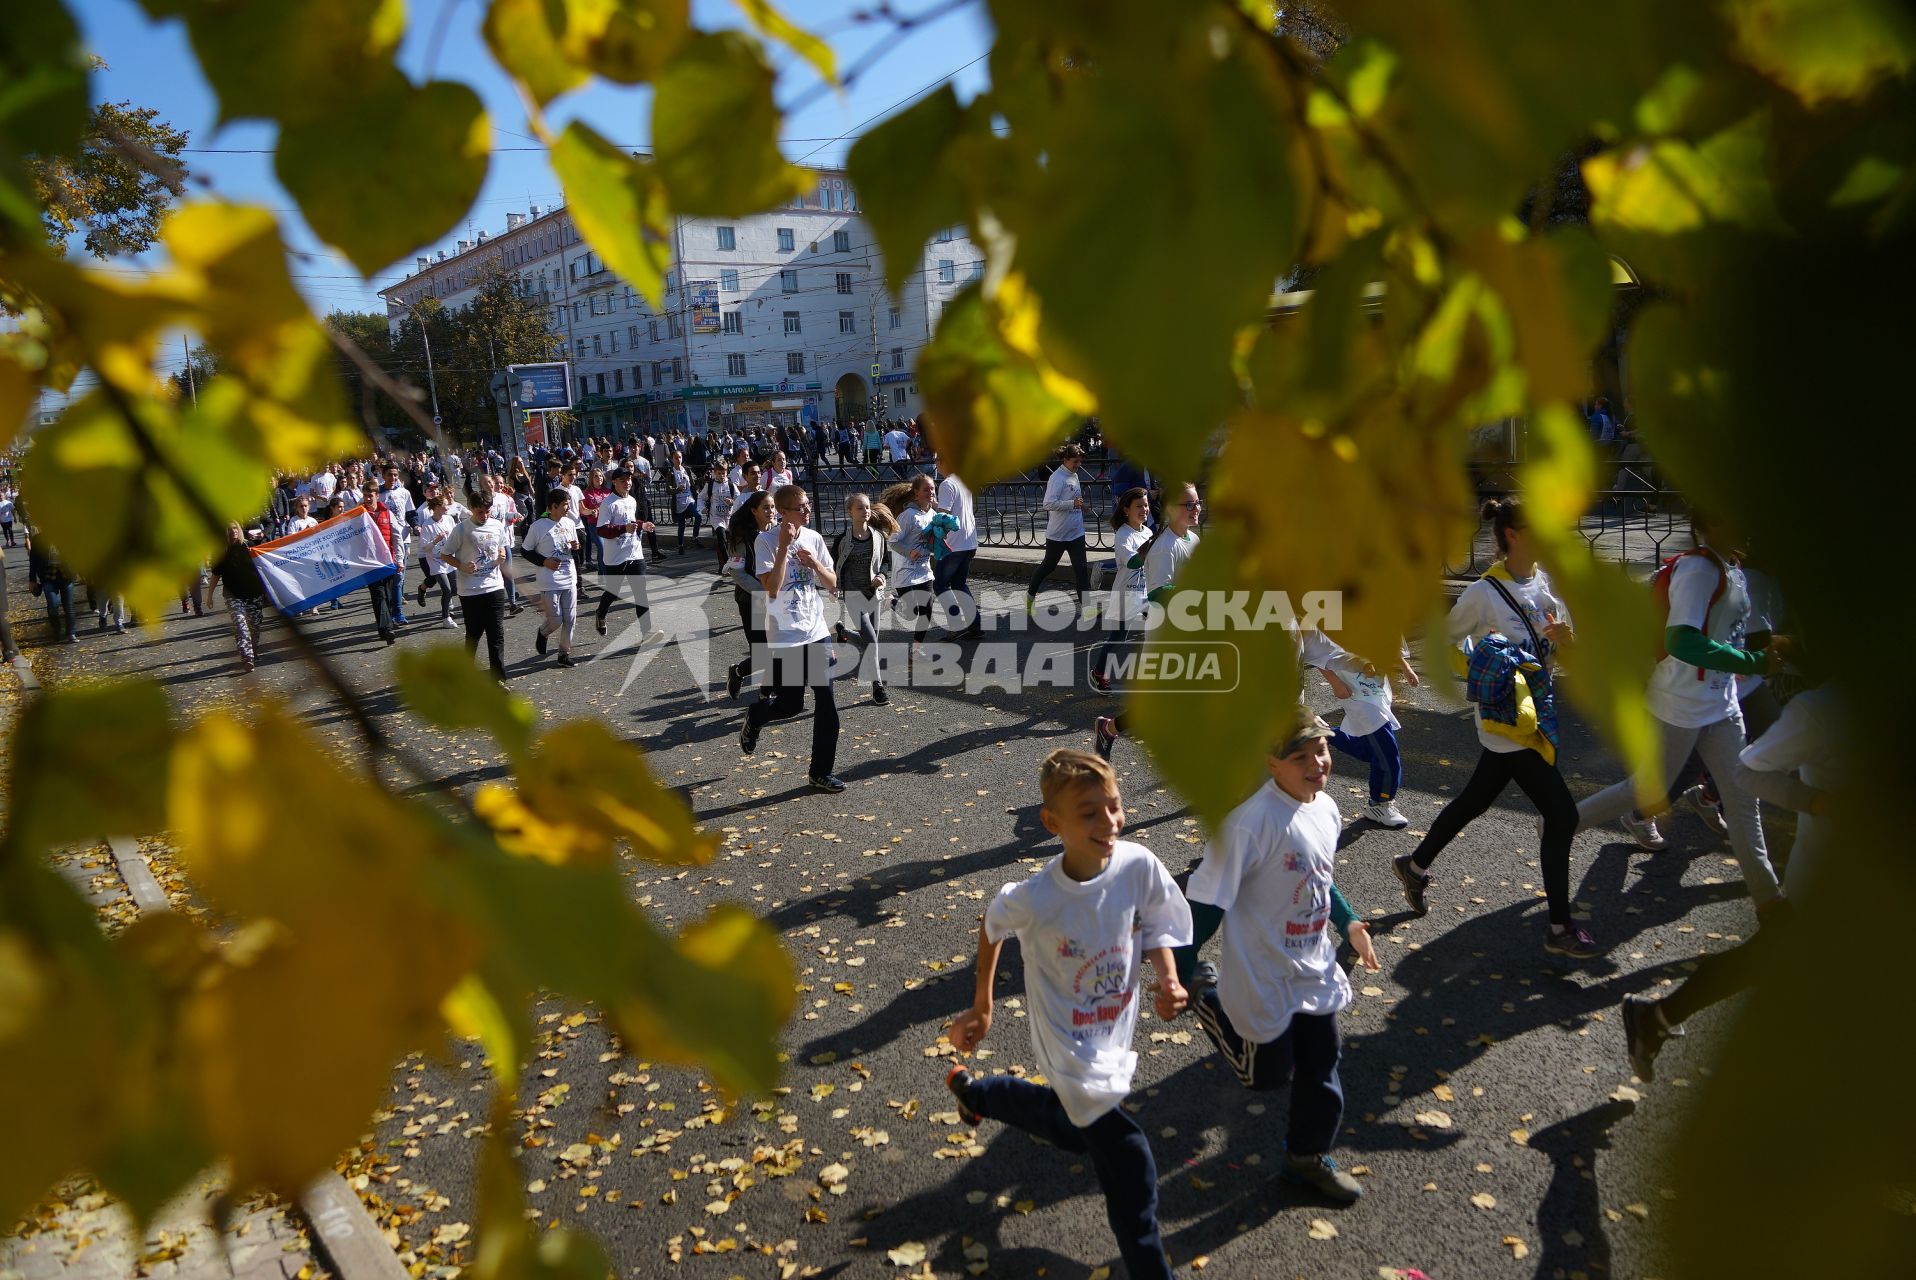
[[918, 93]]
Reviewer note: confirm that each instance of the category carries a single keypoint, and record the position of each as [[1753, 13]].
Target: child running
[[864, 561], [1369, 728], [1164, 556], [1084, 924], [1271, 1007], [552, 543]]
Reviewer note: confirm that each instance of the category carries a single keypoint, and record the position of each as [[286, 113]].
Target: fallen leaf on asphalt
[[1322, 1230], [1200, 1262], [833, 1174], [1624, 1093], [1443, 1093], [1435, 1119], [1100, 1273], [1640, 1210], [717, 1207], [977, 1251], [975, 1197], [1574, 1239], [823, 1091], [824, 1059], [1025, 1206], [908, 1254], [1484, 1200], [577, 1153], [1518, 1249], [451, 1233], [1373, 991], [1520, 1136]]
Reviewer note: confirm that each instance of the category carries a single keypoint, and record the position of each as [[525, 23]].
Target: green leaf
[[619, 206], [1824, 51], [43, 68], [1210, 203], [629, 41], [907, 180], [1557, 291], [1211, 746], [774, 25], [16, 396], [993, 410], [441, 684], [522, 37], [715, 130], [294, 59], [91, 760], [376, 203]]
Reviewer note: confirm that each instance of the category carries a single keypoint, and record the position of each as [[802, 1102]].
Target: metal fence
[[1634, 518]]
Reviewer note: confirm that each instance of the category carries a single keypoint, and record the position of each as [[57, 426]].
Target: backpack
[[1660, 593]]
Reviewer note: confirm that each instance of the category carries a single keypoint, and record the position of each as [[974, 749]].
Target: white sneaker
[[1385, 815], [452, 624], [1644, 832], [1706, 809]]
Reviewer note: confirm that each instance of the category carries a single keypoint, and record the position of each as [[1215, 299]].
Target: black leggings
[[754, 634], [914, 604], [1054, 551], [612, 589], [1539, 780], [1722, 974]]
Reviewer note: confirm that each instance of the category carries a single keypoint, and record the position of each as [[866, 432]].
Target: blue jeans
[[1379, 750], [1304, 1057], [396, 597], [59, 608], [953, 574], [1119, 1153]]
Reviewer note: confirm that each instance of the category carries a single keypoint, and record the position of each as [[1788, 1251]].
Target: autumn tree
[[114, 189]]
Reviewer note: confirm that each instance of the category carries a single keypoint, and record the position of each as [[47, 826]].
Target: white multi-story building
[[779, 317]]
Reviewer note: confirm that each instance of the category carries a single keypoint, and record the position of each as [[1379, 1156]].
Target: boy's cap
[[1307, 725]]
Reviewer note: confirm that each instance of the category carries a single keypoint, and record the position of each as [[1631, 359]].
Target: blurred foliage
[[1141, 176]]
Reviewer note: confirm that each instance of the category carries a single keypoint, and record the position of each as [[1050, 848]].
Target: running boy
[[1271, 1007], [1084, 923]]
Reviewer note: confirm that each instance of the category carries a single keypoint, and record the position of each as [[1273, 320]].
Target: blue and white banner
[[324, 562]]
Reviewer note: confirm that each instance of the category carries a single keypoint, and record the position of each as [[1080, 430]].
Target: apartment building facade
[[780, 317]]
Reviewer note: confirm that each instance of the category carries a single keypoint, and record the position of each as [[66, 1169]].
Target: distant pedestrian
[[1064, 527], [794, 566], [245, 595]]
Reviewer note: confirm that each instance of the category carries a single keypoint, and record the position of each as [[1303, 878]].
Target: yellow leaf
[[1518, 1249], [619, 205], [1484, 1200], [776, 26], [1322, 1229], [908, 1254]]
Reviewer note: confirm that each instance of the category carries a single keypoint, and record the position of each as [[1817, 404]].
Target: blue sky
[[151, 64]]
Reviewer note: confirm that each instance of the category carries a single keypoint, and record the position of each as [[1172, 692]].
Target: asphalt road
[[1489, 1107]]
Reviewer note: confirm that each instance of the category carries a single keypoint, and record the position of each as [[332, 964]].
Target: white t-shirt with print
[[299, 524], [1368, 709], [1481, 609], [1677, 695], [550, 539], [477, 542], [1269, 871], [628, 546], [1166, 557], [431, 531], [1126, 603], [1083, 943], [912, 537], [796, 615]]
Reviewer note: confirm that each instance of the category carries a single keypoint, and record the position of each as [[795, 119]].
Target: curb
[[146, 891], [23, 672]]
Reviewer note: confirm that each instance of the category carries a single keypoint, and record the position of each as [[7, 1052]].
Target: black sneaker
[[1573, 942], [1644, 1034], [958, 1080], [840, 634], [748, 737], [1099, 681], [1107, 737], [565, 660], [879, 695], [830, 784], [601, 621], [539, 643], [1321, 1174], [514, 610], [734, 677], [1414, 880]]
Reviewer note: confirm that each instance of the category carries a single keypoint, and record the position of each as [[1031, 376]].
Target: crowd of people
[[1741, 717]]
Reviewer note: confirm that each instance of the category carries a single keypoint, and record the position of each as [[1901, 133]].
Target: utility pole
[[191, 385], [432, 382]]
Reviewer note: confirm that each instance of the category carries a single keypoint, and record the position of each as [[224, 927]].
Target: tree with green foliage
[[1139, 175], [114, 189]]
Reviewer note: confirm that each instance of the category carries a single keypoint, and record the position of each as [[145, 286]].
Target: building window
[[638, 380], [791, 322], [895, 317], [658, 373], [631, 298], [615, 344], [575, 311], [735, 365], [844, 282], [732, 322], [652, 327], [841, 242], [728, 280], [632, 332], [978, 269], [788, 282], [594, 304], [600, 379], [847, 322], [580, 343], [947, 271], [727, 238], [944, 235], [598, 345], [897, 357], [618, 379], [786, 240], [584, 387], [672, 324], [678, 374], [795, 362]]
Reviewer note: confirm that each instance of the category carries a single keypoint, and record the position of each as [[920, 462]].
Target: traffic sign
[[436, 422], [874, 368]]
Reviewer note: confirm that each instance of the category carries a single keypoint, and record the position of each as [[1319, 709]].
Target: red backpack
[[1660, 593]]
